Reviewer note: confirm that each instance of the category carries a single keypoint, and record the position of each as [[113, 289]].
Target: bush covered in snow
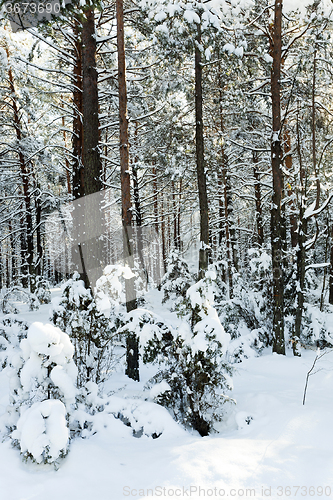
[[194, 375], [12, 331], [247, 316], [91, 332], [176, 281], [42, 384], [110, 289], [317, 327], [42, 290], [42, 432], [9, 297]]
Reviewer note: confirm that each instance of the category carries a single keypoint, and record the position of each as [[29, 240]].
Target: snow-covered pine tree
[[42, 383], [176, 281], [194, 374], [91, 332]]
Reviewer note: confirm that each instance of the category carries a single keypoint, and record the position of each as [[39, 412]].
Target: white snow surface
[[268, 442]]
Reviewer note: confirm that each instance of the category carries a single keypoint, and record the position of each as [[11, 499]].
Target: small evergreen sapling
[[247, 316], [12, 331], [91, 332], [42, 291], [176, 281], [194, 374]]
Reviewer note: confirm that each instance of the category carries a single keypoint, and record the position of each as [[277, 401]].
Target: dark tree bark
[[11, 263], [91, 156], [158, 270], [257, 196], [314, 147], [276, 158], [90, 244], [132, 354], [302, 229], [174, 212], [155, 199], [226, 200], [330, 298], [164, 252], [78, 171], [300, 254], [179, 212], [67, 164], [226, 205], [201, 175], [292, 210], [39, 246]]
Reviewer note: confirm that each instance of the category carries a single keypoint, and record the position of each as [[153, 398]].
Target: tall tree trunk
[[91, 248], [78, 170], [276, 156], [132, 354], [164, 251], [201, 175], [27, 219], [330, 298], [257, 196], [226, 196], [327, 244], [91, 155], [77, 145], [8, 266], [300, 254], [155, 199], [226, 204], [67, 165], [39, 246], [158, 271], [314, 157], [179, 212], [174, 211], [11, 275], [292, 208]]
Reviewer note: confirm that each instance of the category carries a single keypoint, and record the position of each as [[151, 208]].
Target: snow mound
[[42, 431], [144, 417]]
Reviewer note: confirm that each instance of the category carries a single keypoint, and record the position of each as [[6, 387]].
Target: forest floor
[[269, 445]]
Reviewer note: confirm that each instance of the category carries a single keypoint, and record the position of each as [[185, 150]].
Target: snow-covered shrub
[[194, 375], [147, 326], [176, 281], [91, 332], [10, 296], [42, 393], [88, 404], [12, 331], [110, 289], [248, 344], [221, 267], [42, 432], [247, 317], [96, 413], [42, 290], [317, 326]]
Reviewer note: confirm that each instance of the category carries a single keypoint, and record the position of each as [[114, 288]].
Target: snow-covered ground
[[269, 446]]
